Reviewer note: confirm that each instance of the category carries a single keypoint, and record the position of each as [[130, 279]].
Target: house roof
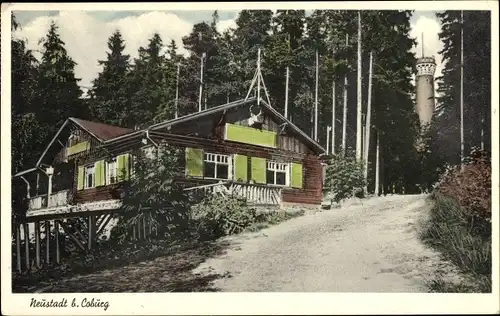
[[196, 115], [102, 131], [238, 103], [108, 134]]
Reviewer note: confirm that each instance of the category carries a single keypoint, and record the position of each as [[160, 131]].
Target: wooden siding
[[101, 193], [210, 134], [83, 136], [312, 193]]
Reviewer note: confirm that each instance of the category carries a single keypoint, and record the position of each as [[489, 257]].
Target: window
[[73, 139], [111, 171], [277, 173], [216, 166], [89, 176]]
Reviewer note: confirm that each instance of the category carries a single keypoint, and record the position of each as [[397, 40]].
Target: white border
[[248, 303]]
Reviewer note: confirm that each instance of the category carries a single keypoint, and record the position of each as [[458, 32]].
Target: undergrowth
[[459, 225]]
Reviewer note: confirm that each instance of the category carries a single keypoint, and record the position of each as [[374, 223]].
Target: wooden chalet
[[246, 147], [250, 148]]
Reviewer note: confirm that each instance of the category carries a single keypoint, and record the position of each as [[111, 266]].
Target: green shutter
[[240, 168], [123, 167], [97, 170], [250, 135], [194, 162], [296, 175], [259, 170], [100, 173], [81, 178]]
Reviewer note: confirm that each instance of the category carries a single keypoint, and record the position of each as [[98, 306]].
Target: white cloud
[[226, 24], [86, 37], [430, 27]]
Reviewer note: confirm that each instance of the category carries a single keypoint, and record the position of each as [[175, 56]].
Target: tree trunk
[[359, 95]]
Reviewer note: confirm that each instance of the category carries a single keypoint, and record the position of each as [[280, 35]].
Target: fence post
[[47, 241], [37, 243], [27, 244], [18, 247], [56, 228]]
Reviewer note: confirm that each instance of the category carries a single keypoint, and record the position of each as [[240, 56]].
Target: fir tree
[[110, 92], [61, 97]]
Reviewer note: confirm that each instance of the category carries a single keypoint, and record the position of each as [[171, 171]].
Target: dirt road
[[371, 247]]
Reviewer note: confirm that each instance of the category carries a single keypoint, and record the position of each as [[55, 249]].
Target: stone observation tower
[[426, 67]]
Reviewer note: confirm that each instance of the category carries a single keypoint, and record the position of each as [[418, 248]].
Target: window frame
[[215, 157], [108, 173], [86, 174], [278, 167]]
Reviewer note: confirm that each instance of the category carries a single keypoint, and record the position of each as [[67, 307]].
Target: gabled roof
[[108, 134], [101, 131], [196, 115], [271, 111]]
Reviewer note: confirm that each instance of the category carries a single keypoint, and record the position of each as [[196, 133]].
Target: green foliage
[[477, 83], [461, 239], [344, 177], [470, 187], [152, 195], [460, 222], [222, 215], [110, 94], [61, 97]]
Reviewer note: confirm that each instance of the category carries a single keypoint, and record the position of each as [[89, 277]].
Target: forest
[[319, 56], [135, 92]]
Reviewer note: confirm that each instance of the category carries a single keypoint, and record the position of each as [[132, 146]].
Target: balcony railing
[[60, 198], [255, 194]]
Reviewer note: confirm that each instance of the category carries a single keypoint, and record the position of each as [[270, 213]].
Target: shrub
[[472, 186], [218, 215], [460, 222], [152, 195], [463, 241], [344, 177]]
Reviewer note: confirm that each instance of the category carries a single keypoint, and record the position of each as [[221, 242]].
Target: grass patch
[[463, 239]]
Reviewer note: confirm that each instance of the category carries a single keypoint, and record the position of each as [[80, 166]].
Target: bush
[[153, 196], [460, 222], [218, 215], [344, 177], [472, 186], [462, 240]]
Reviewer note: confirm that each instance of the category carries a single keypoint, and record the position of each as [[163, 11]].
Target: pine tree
[[61, 95], [173, 59], [282, 52], [154, 83], [28, 136], [110, 94], [477, 87], [253, 28]]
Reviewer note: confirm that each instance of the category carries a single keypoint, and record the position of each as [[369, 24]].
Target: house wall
[[92, 146], [102, 193], [311, 192], [208, 134]]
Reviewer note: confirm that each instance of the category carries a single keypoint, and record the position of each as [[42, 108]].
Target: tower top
[[426, 66]]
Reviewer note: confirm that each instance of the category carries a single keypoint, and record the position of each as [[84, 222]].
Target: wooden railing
[[257, 194], [254, 194], [56, 199]]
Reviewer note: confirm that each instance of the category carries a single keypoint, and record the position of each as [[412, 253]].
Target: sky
[[85, 33]]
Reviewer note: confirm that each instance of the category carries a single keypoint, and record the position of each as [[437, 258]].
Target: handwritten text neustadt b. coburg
[[85, 303]]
